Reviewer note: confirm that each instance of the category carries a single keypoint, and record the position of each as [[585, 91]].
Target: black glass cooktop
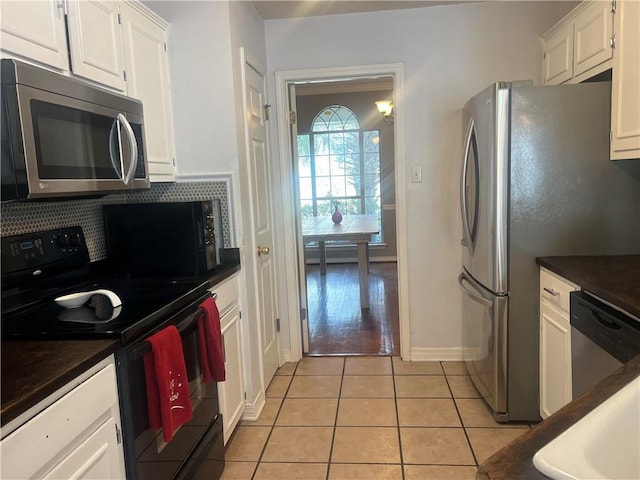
[[144, 303]]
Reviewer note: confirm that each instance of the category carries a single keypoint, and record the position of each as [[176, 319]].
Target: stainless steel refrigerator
[[536, 181]]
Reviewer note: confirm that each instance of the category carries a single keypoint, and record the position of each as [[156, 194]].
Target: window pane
[[371, 186], [325, 207], [337, 165], [353, 185], [372, 162], [337, 142], [306, 208], [351, 206], [306, 193], [321, 144], [323, 165], [323, 187], [371, 140], [304, 166], [352, 142], [338, 186], [303, 145]]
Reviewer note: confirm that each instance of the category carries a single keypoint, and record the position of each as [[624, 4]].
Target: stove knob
[[75, 239], [63, 240]]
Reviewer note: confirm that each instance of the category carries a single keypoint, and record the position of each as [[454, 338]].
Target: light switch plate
[[416, 174]]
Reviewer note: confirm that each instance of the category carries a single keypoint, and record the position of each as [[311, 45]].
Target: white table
[[353, 228]]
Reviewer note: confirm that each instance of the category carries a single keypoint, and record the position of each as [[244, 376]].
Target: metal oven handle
[[184, 327]]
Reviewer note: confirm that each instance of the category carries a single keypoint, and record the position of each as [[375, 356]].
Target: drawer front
[[555, 290], [227, 294]]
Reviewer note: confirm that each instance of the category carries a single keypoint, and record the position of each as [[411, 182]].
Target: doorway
[[294, 276], [344, 162]]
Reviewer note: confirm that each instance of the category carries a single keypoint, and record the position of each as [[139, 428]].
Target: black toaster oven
[[167, 238]]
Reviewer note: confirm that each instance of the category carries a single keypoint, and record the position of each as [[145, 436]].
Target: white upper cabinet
[[625, 99], [35, 30], [118, 45], [95, 43], [593, 34], [146, 64], [580, 45], [558, 56]]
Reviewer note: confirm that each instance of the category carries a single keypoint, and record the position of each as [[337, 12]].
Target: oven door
[[146, 454]]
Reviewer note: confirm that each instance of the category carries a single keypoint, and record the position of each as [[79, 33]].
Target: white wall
[[449, 54]]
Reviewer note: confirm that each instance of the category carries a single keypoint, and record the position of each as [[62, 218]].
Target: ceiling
[[270, 9]]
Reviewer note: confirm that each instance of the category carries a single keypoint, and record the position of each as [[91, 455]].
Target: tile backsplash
[[24, 217]]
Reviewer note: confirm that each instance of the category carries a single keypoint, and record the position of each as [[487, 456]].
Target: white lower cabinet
[[555, 343], [77, 434], [231, 391]]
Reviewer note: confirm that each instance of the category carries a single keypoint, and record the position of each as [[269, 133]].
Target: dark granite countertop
[[615, 279], [33, 370], [515, 461]]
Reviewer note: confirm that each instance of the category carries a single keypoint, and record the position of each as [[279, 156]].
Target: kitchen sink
[[605, 444]]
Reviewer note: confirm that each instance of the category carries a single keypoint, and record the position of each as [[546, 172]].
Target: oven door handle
[[184, 327]]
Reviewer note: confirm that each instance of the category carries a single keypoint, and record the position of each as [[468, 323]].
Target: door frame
[[289, 273]]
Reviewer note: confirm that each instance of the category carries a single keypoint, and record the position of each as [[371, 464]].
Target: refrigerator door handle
[[472, 292], [466, 230]]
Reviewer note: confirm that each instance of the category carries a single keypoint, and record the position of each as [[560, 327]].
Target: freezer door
[[484, 187], [485, 342]]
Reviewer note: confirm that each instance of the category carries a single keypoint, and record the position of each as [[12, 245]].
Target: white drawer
[[227, 294], [555, 290]]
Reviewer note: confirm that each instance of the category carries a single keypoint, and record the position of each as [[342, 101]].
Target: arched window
[[339, 163]]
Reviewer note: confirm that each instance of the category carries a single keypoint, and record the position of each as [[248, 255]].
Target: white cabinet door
[[592, 37], [555, 360], [147, 67], [625, 100], [95, 458], [555, 342], [34, 30], [557, 63], [231, 391], [95, 42]]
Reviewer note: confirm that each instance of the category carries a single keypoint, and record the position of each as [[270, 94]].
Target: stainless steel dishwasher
[[603, 338]]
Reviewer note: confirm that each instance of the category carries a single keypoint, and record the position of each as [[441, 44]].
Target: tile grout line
[[335, 420], [275, 419], [395, 402], [464, 428]]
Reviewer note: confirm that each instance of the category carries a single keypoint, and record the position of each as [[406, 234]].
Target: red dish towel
[[168, 399], [210, 343]]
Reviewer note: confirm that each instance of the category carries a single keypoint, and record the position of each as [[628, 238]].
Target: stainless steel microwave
[[65, 138]]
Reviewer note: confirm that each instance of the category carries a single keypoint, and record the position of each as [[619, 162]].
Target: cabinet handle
[[551, 291]]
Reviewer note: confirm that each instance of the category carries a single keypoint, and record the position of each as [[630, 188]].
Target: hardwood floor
[[337, 324]]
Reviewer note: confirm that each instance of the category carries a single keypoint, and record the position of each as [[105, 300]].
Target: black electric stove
[[39, 267]]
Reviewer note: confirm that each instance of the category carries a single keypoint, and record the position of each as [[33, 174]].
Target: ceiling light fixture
[[385, 107]]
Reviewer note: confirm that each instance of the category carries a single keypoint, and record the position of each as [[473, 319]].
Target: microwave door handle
[[114, 156], [133, 148]]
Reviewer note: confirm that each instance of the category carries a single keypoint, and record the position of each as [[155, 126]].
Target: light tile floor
[[367, 418]]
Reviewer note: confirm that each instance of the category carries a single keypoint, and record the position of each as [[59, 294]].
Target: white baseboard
[[434, 354], [253, 410]]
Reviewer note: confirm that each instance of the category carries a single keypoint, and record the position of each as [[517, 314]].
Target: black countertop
[[615, 279], [33, 370]]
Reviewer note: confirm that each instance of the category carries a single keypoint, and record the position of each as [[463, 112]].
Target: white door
[[262, 218]]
